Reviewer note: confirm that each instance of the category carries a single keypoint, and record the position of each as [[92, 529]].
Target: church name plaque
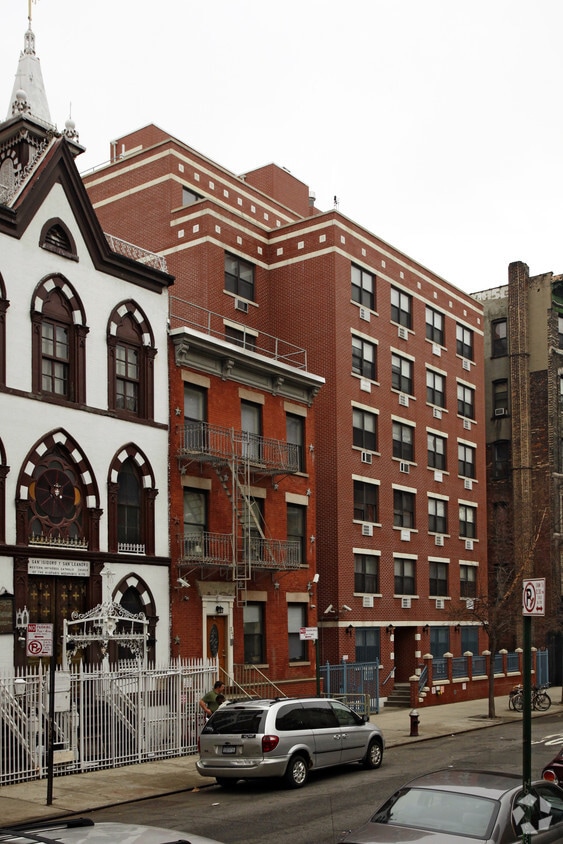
[[59, 568]]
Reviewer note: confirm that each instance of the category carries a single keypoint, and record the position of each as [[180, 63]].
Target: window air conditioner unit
[[468, 483], [436, 350], [469, 545], [467, 424], [404, 467], [365, 314], [466, 364], [439, 540], [367, 601], [403, 400], [366, 457], [405, 603], [436, 413], [367, 530], [438, 476], [439, 603], [241, 306], [469, 604], [500, 411], [403, 332]]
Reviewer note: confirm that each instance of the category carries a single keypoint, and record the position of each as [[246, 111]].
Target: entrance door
[[217, 639]]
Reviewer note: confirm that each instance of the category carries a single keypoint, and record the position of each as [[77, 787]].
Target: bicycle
[[541, 701]]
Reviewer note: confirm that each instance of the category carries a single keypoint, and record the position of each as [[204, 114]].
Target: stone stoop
[[400, 696]]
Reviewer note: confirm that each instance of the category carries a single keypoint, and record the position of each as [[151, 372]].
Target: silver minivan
[[285, 737]]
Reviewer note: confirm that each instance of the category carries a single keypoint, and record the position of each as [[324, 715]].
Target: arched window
[[130, 362], [131, 503], [59, 340], [134, 596], [56, 237]]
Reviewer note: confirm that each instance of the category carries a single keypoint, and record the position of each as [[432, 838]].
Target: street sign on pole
[[533, 596], [308, 633], [39, 639]]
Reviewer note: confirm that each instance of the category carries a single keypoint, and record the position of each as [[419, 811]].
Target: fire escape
[[239, 459]]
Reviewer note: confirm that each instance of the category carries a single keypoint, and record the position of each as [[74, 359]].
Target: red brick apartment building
[[393, 487]]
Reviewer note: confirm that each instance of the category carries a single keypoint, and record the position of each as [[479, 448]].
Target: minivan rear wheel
[[374, 755], [297, 772]]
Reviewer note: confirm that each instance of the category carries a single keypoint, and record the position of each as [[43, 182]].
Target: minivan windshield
[[230, 721]]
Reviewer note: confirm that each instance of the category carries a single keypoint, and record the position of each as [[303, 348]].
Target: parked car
[[553, 771], [450, 805], [285, 737], [85, 831]]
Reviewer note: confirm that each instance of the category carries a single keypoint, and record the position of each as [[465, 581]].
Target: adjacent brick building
[[395, 450]]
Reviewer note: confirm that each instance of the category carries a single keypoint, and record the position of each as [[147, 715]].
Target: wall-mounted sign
[[59, 568], [39, 639], [6, 613]]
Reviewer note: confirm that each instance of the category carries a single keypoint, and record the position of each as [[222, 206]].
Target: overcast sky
[[438, 124]]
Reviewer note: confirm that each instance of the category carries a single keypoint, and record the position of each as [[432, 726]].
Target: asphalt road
[[334, 800]]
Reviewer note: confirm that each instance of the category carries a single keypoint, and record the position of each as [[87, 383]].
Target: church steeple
[[28, 94]]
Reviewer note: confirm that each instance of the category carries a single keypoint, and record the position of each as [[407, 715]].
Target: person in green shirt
[[209, 701]]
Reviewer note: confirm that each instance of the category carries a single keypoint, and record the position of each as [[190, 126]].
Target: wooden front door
[[217, 639]]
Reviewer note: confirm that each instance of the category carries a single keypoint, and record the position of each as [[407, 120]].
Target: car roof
[[84, 831], [492, 784]]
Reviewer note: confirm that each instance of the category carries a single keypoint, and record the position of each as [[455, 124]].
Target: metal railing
[[218, 444]]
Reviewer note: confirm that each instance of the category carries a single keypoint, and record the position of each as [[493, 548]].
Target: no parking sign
[[533, 597], [39, 639]]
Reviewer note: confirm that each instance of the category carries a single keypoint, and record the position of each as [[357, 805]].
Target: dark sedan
[[449, 805]]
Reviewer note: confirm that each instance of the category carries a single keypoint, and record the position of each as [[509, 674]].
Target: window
[[251, 427], [438, 578], [131, 355], [469, 639], [401, 307], [364, 429], [189, 196], [129, 521], [499, 339], [363, 287], [195, 522], [363, 358], [253, 631], [467, 521], [403, 441], [240, 337], [58, 341], [401, 374], [403, 508], [467, 581], [439, 641], [466, 401], [253, 530], [296, 619], [366, 573], [465, 460], [239, 277], [295, 435], [560, 332], [437, 451], [434, 326], [367, 644], [296, 530], [437, 515], [195, 414], [501, 459], [464, 341], [366, 501], [500, 397], [404, 576], [55, 506], [435, 388], [56, 237]]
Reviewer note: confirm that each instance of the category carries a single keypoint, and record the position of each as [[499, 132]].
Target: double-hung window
[[364, 429], [363, 287], [403, 508], [363, 358], [296, 620], [466, 401], [403, 441], [239, 276], [501, 459], [435, 388], [295, 436], [404, 571], [402, 374], [467, 581], [437, 515], [254, 633], [500, 397], [296, 531], [437, 451], [464, 341], [401, 307], [499, 338], [434, 326], [366, 573], [438, 578], [465, 460], [467, 521], [366, 500]]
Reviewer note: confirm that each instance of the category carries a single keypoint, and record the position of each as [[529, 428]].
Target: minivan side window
[[320, 716], [290, 718], [345, 716]]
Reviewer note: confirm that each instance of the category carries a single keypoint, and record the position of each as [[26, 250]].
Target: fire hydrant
[[415, 721]]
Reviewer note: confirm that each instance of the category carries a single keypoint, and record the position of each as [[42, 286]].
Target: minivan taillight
[[269, 743], [550, 776]]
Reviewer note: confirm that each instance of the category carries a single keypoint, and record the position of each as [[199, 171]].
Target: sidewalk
[[81, 793]]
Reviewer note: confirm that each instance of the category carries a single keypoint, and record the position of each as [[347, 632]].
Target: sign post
[[39, 644], [308, 634]]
